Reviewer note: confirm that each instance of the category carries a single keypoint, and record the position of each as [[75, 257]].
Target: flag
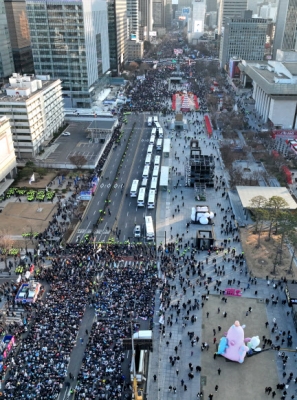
[[32, 179]]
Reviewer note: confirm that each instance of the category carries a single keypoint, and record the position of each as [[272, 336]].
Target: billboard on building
[[234, 71], [198, 26], [152, 33], [186, 11], [133, 36], [182, 17]]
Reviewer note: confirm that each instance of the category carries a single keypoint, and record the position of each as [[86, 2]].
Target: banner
[[32, 179]]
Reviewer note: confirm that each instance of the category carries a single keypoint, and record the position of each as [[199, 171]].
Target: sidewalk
[[159, 360]]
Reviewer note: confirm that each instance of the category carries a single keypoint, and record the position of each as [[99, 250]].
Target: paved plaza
[[247, 380]]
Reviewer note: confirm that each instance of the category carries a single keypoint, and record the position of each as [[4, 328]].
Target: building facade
[[7, 154], [117, 34], [158, 14], [286, 26], [243, 38], [6, 59], [135, 49], [19, 34], [34, 106], [133, 19], [145, 12], [198, 18], [230, 9], [274, 90], [70, 42]]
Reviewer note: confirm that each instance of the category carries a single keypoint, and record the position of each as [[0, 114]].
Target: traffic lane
[[111, 218], [100, 196]]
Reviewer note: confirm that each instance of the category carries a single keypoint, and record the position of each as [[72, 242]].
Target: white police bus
[[134, 188], [141, 197], [149, 228], [151, 199]]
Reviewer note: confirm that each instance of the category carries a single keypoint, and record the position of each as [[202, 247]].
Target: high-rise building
[[117, 33], [158, 14], [230, 9], [243, 38], [198, 18], [133, 18], [6, 59], [286, 26], [36, 112], [145, 11], [19, 36], [211, 5], [70, 42]]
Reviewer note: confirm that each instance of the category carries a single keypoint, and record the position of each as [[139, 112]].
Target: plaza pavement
[[268, 363]]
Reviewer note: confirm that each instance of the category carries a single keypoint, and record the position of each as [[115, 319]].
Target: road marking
[[108, 186], [115, 185], [94, 212], [127, 213]]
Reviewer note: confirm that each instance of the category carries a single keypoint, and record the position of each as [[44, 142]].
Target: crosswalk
[[15, 316]]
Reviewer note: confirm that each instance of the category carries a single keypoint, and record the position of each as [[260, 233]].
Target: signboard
[[186, 11], [140, 77], [133, 36], [85, 196], [178, 51], [182, 18], [198, 26], [234, 71], [152, 33]]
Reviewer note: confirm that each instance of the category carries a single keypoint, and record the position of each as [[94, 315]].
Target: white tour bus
[[156, 171], [159, 145], [149, 228], [141, 197], [149, 121], [155, 119], [150, 148], [161, 133], [148, 159], [152, 140], [134, 188], [157, 160], [151, 199], [146, 171], [154, 183], [154, 131]]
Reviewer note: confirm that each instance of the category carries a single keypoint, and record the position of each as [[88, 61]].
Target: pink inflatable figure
[[236, 348]]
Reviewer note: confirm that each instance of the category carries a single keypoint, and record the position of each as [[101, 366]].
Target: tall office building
[[145, 12], [230, 9], [243, 38], [6, 60], [158, 14], [70, 42], [117, 33], [133, 19], [19, 36], [198, 18], [211, 5], [286, 26]]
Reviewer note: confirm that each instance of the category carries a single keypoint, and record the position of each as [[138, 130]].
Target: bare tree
[[6, 243], [258, 206], [78, 160], [276, 206]]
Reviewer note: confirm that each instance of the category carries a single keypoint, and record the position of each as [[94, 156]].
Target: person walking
[[155, 377], [216, 388], [219, 371]]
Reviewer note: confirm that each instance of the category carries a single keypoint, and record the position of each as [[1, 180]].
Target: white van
[[137, 231], [156, 171], [161, 133], [154, 131]]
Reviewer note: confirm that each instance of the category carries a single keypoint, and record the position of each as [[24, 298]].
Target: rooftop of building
[[18, 84], [274, 77]]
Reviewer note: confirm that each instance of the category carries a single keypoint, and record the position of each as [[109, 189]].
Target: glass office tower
[[70, 42]]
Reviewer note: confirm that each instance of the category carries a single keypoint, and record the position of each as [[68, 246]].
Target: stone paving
[[159, 360]]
